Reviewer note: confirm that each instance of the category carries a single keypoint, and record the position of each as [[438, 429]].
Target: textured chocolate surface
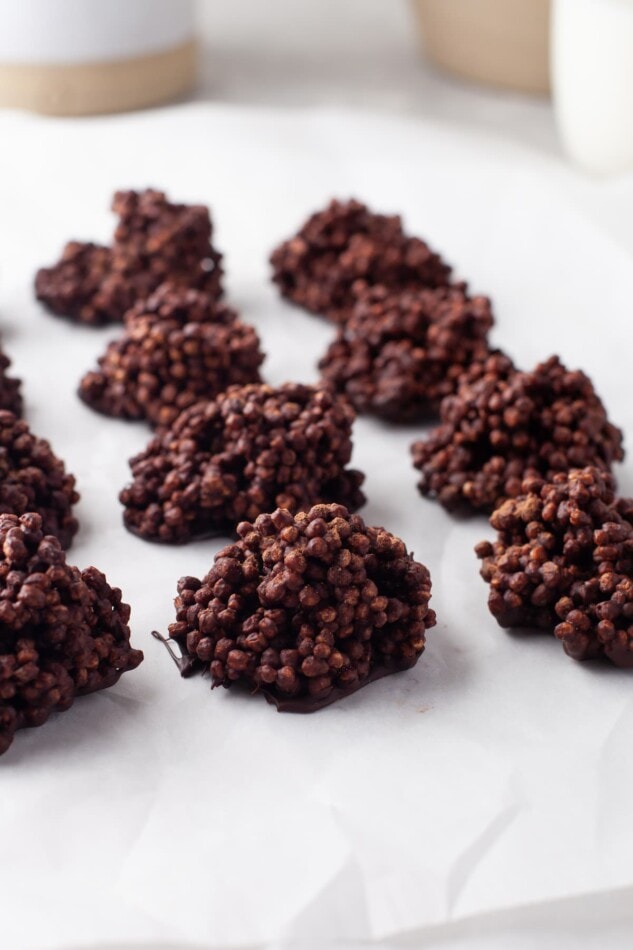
[[507, 425], [563, 562], [32, 478], [401, 352], [155, 241], [344, 248], [82, 286], [10, 395], [306, 608], [250, 450], [179, 346], [63, 632]]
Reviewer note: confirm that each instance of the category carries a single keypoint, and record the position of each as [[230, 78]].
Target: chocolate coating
[[63, 632], [80, 285], [306, 608], [507, 425], [10, 395], [33, 479], [401, 352], [563, 562], [179, 346], [249, 450], [344, 248], [155, 242]]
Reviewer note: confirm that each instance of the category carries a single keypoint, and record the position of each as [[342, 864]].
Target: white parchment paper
[[484, 792]]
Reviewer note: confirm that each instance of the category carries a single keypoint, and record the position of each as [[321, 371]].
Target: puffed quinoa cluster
[[306, 608]]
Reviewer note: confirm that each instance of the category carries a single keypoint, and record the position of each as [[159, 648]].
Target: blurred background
[[554, 77], [367, 54], [490, 64]]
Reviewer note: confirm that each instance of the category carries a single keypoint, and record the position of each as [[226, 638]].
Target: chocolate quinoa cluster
[[506, 426], [346, 247], [10, 396], [306, 608], [154, 242], [179, 346], [63, 632], [82, 285], [250, 450], [33, 479], [401, 352], [563, 561]]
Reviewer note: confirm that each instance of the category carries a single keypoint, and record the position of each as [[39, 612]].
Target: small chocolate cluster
[[250, 450], [33, 479], [563, 561], [306, 608], [63, 632], [341, 250], [401, 352], [179, 346], [155, 241], [10, 395], [503, 425]]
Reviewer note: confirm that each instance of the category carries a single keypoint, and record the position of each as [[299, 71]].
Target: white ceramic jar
[[71, 57], [592, 78]]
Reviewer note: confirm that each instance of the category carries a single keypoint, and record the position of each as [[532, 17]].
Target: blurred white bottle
[[592, 81]]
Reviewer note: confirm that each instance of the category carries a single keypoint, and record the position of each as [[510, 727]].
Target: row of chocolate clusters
[[228, 447], [64, 632], [227, 453], [410, 343], [536, 447], [309, 604]]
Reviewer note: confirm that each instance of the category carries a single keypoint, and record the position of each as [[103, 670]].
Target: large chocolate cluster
[[345, 248], [249, 450], [179, 346], [155, 241], [503, 425], [63, 632], [563, 561], [401, 352], [33, 479], [306, 608]]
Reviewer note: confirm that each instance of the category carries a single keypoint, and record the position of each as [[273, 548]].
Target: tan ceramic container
[[502, 42], [77, 57]]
